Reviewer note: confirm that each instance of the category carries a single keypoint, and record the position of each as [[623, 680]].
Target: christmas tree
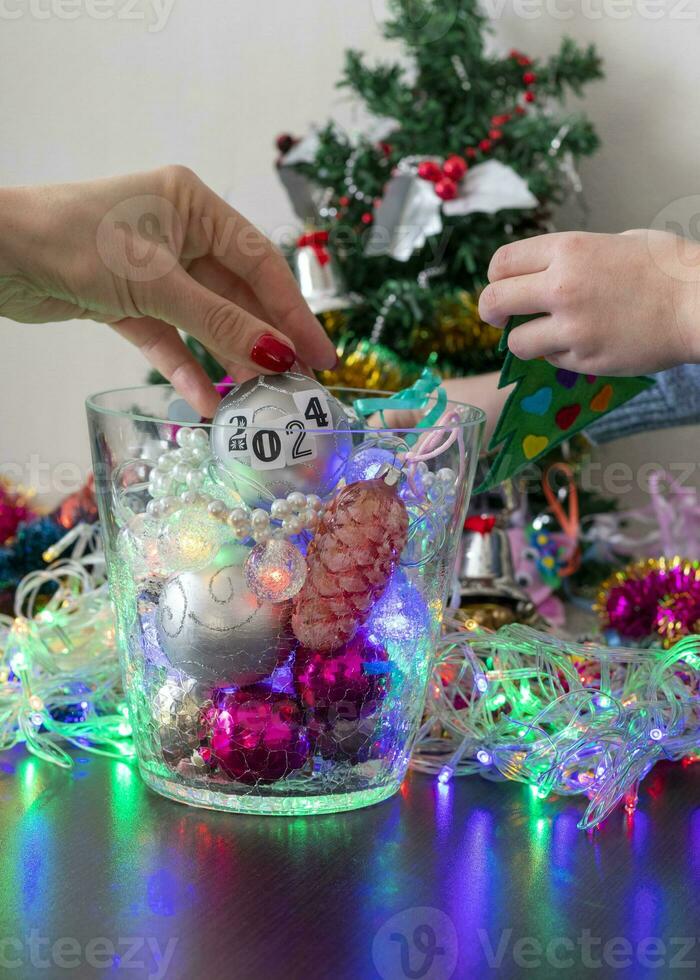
[[470, 150]]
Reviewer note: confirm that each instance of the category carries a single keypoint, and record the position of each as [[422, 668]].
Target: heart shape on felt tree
[[566, 416], [601, 400], [513, 441], [567, 378], [534, 445], [537, 403]]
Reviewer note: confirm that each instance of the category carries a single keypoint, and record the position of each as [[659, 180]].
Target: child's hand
[[613, 304], [150, 254]]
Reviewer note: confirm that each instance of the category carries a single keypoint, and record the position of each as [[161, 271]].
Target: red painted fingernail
[[271, 354]]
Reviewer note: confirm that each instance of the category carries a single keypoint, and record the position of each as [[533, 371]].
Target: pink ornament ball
[[342, 693], [257, 736], [352, 680]]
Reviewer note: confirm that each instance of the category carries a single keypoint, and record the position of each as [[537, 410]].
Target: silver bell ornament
[[278, 434], [319, 280], [212, 627], [488, 591]]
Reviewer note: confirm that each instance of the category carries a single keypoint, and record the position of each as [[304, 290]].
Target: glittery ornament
[[353, 679], [257, 736], [211, 626], [177, 713], [350, 560], [14, 509], [372, 367], [342, 694], [189, 539], [79, 507], [369, 458], [657, 598], [305, 448], [457, 331], [275, 570], [401, 616]]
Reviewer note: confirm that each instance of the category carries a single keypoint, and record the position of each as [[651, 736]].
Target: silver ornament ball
[[212, 627], [176, 711], [282, 433]]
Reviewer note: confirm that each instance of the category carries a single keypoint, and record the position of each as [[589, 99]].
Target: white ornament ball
[[189, 540], [275, 570], [212, 627], [279, 434]]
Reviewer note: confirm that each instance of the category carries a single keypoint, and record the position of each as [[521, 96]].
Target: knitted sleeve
[[673, 400]]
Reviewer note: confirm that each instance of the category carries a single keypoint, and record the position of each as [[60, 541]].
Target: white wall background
[[83, 96]]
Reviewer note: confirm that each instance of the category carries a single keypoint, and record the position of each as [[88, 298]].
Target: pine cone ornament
[[350, 560]]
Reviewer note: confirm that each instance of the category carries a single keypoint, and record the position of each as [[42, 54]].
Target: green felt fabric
[[547, 406]]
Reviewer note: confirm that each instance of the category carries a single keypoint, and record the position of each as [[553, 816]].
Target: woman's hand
[[612, 304], [150, 254]]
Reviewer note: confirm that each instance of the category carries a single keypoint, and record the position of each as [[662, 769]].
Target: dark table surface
[[101, 878]]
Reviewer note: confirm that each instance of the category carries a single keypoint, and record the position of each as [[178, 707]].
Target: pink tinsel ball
[[257, 735], [658, 597], [13, 510]]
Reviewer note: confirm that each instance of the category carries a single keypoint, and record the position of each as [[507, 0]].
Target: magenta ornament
[[653, 599], [257, 736]]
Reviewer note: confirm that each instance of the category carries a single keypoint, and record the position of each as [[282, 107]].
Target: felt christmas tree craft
[[547, 406]]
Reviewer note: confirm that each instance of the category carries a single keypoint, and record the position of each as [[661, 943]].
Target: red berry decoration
[[529, 77], [258, 735], [343, 201], [429, 170], [350, 560], [446, 189], [285, 142], [500, 120], [529, 96], [495, 134], [470, 152], [485, 145], [455, 167], [519, 110], [367, 218]]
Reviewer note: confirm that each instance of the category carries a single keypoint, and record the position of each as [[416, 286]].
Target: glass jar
[[279, 577]]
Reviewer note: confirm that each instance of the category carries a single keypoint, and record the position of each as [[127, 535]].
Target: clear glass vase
[[279, 577]]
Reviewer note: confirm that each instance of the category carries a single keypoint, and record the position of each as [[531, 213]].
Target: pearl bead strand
[[185, 467]]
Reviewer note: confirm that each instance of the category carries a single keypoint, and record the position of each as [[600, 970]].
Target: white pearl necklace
[[184, 466]]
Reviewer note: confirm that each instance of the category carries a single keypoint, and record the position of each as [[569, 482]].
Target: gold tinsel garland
[[458, 329], [369, 366]]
